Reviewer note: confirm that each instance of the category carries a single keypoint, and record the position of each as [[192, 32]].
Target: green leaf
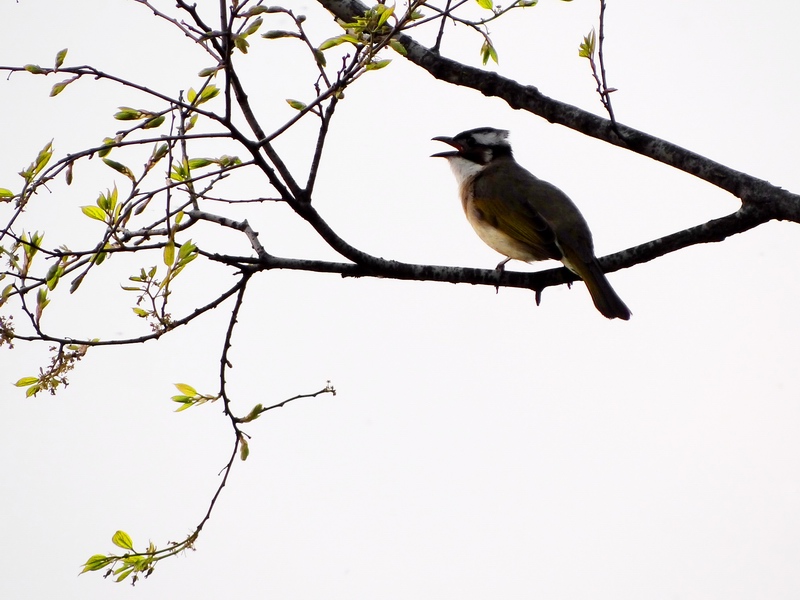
[[126, 113], [108, 143], [209, 92], [178, 172], [330, 43], [111, 198], [254, 413], [94, 212], [59, 87], [186, 249], [398, 47], [209, 71], [186, 389], [587, 47], [26, 381], [35, 69], [275, 34], [374, 66], [244, 448], [228, 161], [128, 571], [388, 11], [96, 562], [4, 193], [76, 284], [159, 152], [140, 312], [154, 122], [487, 52], [296, 104], [254, 26], [169, 253], [241, 43], [44, 156], [257, 10], [487, 4], [103, 202], [62, 54], [54, 273], [120, 168], [122, 540], [199, 163]]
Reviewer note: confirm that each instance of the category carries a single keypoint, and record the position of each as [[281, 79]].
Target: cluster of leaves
[[123, 210], [366, 36], [190, 397], [62, 362], [19, 259], [152, 293], [149, 212], [373, 32], [111, 209], [38, 164], [143, 563], [122, 566]]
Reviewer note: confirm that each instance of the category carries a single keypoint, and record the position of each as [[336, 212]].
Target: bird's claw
[[500, 269]]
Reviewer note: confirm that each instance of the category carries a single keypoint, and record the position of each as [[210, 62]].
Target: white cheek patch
[[492, 137]]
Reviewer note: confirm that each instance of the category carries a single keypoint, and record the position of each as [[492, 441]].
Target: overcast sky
[[479, 446]]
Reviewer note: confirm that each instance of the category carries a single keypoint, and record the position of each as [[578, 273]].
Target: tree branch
[[749, 189]]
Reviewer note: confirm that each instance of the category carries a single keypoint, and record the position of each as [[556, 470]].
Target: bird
[[523, 217]]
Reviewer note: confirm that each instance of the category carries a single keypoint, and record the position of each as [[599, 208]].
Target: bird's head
[[480, 145], [473, 150]]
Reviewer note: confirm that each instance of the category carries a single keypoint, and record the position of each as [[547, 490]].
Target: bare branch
[[529, 98]]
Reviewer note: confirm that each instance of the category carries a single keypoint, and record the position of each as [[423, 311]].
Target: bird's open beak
[[446, 140]]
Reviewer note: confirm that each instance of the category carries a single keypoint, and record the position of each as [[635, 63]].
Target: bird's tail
[[603, 295]]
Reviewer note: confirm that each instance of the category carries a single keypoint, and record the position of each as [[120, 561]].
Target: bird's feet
[[501, 266], [499, 269]]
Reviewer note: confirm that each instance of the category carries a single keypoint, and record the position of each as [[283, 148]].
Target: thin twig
[[44, 337], [605, 94], [323, 132], [225, 362]]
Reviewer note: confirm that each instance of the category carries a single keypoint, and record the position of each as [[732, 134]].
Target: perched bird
[[522, 217]]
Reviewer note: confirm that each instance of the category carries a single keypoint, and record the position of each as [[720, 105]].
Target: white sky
[[479, 446]]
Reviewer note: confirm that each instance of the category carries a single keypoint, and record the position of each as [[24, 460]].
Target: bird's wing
[[514, 215], [551, 220], [527, 227]]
